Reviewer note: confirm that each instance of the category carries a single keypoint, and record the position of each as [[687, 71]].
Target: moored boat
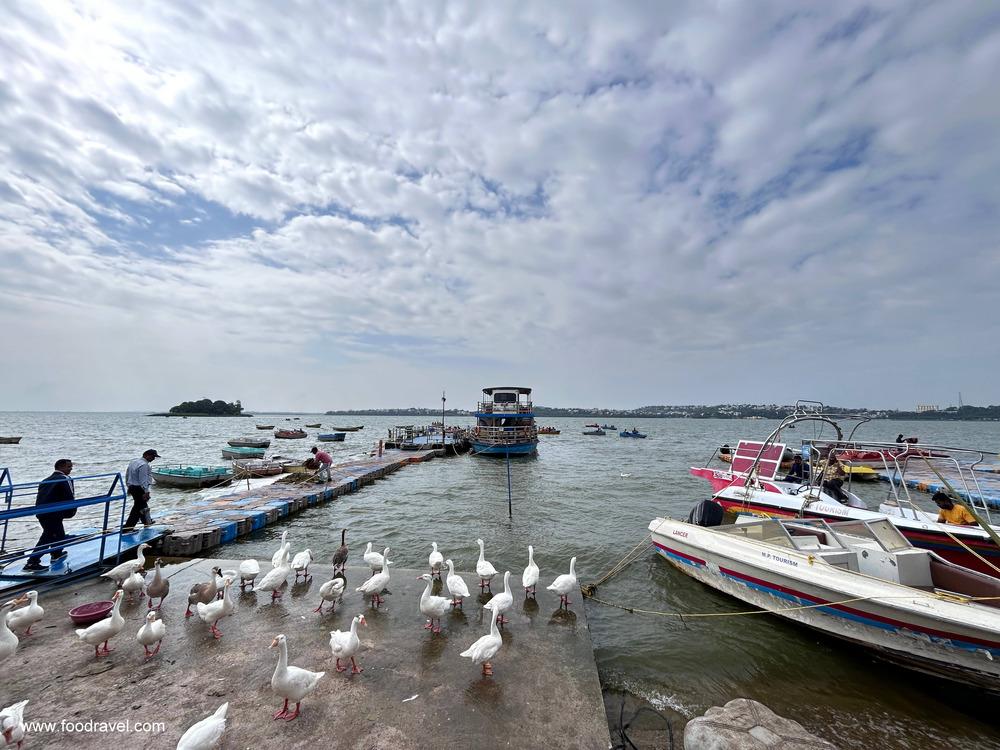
[[873, 588], [265, 427], [756, 484], [349, 429], [250, 442], [256, 468], [290, 434], [331, 437], [318, 424], [505, 423], [191, 477], [10, 440], [243, 453]]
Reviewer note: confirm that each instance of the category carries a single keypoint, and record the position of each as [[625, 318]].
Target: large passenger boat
[[505, 423]]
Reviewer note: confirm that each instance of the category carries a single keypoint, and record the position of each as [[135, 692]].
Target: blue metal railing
[[116, 492]]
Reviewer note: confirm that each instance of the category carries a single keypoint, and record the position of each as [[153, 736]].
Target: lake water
[[574, 500]]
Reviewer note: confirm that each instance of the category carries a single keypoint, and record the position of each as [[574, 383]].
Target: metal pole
[[443, 446], [510, 509]]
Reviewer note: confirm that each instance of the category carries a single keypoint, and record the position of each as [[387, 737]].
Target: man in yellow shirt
[[952, 513]]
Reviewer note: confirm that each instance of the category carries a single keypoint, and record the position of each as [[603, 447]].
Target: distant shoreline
[[168, 414]]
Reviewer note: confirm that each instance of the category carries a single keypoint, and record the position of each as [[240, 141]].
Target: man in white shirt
[[138, 478]]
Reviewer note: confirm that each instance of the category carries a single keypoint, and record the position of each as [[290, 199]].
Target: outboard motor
[[706, 513]]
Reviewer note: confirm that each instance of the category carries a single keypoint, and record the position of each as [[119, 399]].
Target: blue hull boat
[[631, 434], [505, 423], [331, 437]]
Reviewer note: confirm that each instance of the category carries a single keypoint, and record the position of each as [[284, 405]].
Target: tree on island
[[207, 406]]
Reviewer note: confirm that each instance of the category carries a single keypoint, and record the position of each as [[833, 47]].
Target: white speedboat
[[872, 586], [754, 484]]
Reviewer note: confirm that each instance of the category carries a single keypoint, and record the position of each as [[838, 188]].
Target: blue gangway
[[87, 549]]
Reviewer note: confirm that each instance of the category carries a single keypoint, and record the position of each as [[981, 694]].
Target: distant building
[[926, 407]]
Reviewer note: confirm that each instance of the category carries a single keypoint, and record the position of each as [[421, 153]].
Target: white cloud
[[615, 204]]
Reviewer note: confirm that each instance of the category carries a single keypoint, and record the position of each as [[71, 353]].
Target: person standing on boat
[[951, 512], [325, 462], [138, 478], [57, 488]]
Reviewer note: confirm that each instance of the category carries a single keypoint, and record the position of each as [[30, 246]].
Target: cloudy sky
[[319, 205]]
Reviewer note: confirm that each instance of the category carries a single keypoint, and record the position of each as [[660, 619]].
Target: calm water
[[573, 500]]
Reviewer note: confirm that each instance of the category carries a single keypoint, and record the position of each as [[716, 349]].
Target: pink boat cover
[[770, 459]]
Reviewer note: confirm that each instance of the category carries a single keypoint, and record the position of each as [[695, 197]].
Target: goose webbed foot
[[282, 712], [355, 669]]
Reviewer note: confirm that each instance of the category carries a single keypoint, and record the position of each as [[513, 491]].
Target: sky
[[319, 205]]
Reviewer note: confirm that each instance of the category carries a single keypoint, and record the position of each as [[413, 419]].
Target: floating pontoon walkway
[[204, 524]]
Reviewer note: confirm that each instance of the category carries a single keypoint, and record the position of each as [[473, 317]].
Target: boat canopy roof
[[842, 534], [517, 388]]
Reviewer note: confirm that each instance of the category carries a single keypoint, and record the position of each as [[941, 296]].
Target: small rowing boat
[[250, 442], [318, 424], [290, 434], [598, 431], [10, 440], [548, 431], [331, 437], [265, 427], [632, 434], [243, 453], [349, 429], [192, 477], [256, 468]]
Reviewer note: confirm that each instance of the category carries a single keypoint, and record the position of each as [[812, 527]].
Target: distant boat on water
[[331, 437], [505, 423], [290, 434], [318, 424], [349, 429], [243, 452], [265, 427], [598, 431], [250, 442], [10, 440], [548, 431]]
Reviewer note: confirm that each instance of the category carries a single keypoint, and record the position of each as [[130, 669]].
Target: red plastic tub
[[86, 614]]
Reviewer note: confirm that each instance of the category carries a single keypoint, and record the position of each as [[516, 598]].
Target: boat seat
[[841, 558]]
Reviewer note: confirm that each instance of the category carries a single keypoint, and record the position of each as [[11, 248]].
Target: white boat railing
[[505, 435], [489, 407]]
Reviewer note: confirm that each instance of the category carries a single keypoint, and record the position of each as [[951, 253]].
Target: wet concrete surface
[[415, 690]]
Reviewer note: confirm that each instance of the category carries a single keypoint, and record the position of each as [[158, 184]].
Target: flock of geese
[[212, 603]]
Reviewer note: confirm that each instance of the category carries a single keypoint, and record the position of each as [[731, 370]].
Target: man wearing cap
[[138, 478]]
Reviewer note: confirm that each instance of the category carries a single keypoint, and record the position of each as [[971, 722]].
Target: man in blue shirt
[[57, 488]]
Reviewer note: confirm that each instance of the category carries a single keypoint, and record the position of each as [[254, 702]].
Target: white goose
[[501, 602], [133, 584], [435, 560], [120, 572], [373, 586], [8, 641], [374, 560], [483, 650], [214, 611], [249, 570], [151, 632], [104, 630], [12, 724], [564, 584], [291, 683], [456, 585], [529, 579], [432, 607], [275, 578], [332, 591], [300, 564], [484, 568], [346, 645], [26, 617], [205, 734], [283, 549]]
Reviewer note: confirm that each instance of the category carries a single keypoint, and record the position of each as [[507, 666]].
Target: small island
[[204, 408]]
